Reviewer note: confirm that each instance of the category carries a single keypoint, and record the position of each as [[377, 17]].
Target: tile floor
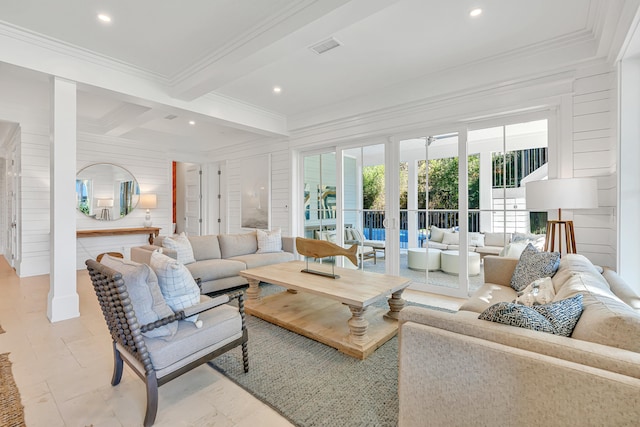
[[63, 370]]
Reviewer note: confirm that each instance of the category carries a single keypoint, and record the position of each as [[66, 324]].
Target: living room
[[568, 65]]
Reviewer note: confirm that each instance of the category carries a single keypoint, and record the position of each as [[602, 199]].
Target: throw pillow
[[147, 300], [451, 238], [537, 293], [436, 234], [176, 283], [476, 239], [509, 313], [563, 314], [533, 265], [558, 318], [182, 246], [269, 241]]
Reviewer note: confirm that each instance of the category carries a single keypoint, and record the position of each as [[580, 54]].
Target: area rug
[[312, 384], [1, 330], [11, 409]]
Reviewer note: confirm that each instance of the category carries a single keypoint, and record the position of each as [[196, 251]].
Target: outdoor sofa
[[458, 370]]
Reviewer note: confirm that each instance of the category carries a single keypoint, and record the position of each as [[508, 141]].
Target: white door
[[12, 208], [193, 200]]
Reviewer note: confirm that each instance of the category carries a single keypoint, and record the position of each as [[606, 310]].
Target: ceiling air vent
[[170, 117], [325, 45]]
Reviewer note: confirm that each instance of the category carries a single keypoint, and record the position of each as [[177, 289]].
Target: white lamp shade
[[105, 203], [568, 193], [148, 201]]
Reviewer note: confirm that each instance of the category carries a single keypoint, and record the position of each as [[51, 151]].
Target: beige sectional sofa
[[219, 258], [457, 370]]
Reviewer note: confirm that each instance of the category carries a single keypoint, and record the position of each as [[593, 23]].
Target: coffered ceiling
[[216, 62]]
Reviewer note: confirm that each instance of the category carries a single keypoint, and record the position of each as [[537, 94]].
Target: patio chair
[[168, 347], [353, 235], [364, 251]]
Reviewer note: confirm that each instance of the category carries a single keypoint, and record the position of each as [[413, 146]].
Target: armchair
[[158, 359]]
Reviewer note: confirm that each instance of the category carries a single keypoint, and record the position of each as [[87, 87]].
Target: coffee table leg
[[396, 303], [358, 326], [253, 293]]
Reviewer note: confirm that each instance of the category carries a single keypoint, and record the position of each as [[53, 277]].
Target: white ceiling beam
[[50, 57], [311, 25]]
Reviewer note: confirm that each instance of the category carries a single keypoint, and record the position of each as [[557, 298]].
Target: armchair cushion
[[182, 246], [221, 325], [177, 285], [147, 300]]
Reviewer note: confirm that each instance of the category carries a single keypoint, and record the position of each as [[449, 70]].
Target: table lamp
[[565, 193], [105, 204], [148, 201]]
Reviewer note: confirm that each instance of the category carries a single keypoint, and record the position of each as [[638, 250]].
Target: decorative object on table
[[148, 201], [255, 186], [106, 205], [321, 249], [567, 193]]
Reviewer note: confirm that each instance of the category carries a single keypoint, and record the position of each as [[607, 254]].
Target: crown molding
[[39, 40]]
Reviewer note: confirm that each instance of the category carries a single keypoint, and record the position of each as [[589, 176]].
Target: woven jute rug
[[312, 384], [11, 409]]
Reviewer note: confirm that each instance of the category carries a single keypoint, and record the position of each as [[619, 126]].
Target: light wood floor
[[63, 370]]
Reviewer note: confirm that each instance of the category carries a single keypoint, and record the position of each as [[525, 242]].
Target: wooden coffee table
[[314, 306]]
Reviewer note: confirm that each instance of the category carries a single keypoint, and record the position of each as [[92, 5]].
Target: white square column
[[63, 301]]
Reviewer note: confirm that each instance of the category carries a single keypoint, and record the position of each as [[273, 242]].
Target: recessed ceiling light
[[475, 12], [104, 17], [191, 122], [277, 89]]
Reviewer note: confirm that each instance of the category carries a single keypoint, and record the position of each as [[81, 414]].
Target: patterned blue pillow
[[558, 317], [563, 314], [534, 265], [513, 314]]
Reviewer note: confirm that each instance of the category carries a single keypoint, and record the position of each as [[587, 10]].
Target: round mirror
[[106, 192]]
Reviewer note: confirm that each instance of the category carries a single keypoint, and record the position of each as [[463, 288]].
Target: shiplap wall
[[280, 184], [152, 170], [594, 155]]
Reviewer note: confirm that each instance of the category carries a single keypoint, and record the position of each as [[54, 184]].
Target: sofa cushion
[[436, 234], [513, 250], [558, 317], [489, 250], [269, 241], [476, 239], [237, 244], [205, 247], [213, 269], [621, 289], [487, 295], [605, 319], [176, 283], [144, 292], [450, 238], [496, 239], [258, 260], [182, 246], [534, 265]]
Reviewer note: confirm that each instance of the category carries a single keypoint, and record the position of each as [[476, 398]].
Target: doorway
[[187, 213]]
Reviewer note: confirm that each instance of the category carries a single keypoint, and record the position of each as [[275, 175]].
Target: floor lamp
[[566, 193]]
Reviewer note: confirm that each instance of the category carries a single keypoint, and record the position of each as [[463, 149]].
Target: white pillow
[[177, 285], [451, 238], [182, 246], [437, 234], [476, 239], [539, 292], [269, 241], [513, 250]]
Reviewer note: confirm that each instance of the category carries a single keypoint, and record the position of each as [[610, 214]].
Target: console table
[[151, 231]]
